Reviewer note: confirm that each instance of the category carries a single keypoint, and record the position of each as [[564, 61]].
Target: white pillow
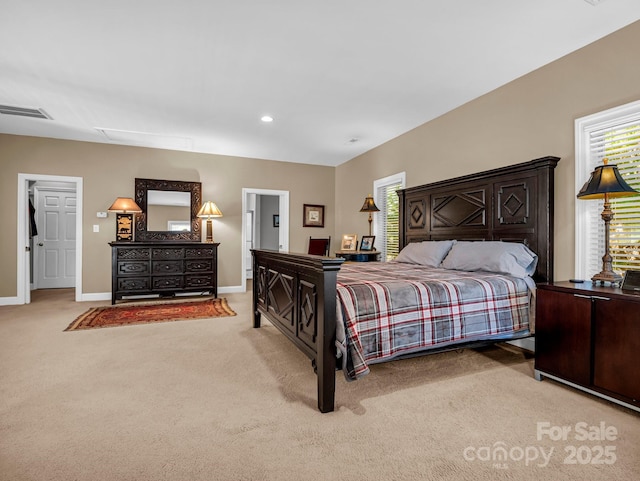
[[426, 253], [510, 258]]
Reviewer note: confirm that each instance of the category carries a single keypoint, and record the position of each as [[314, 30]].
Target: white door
[[55, 244]]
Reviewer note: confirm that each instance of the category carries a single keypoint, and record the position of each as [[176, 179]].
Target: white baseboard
[[230, 289], [9, 301], [95, 296]]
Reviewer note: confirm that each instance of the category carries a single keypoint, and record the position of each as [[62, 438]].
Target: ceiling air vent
[[24, 112]]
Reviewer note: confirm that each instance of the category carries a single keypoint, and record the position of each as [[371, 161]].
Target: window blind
[[622, 147], [617, 138], [387, 221]]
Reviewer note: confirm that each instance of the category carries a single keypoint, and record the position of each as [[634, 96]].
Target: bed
[[313, 300]]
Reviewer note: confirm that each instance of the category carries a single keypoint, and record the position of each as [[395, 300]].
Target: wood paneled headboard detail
[[513, 204]]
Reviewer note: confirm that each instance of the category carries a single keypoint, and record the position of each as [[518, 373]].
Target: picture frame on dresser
[[366, 244], [631, 281], [349, 242]]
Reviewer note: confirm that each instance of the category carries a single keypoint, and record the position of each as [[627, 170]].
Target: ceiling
[[338, 77]]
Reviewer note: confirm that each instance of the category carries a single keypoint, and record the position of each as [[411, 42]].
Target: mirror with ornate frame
[[190, 230]]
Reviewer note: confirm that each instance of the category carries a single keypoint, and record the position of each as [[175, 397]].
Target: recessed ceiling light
[[266, 118]]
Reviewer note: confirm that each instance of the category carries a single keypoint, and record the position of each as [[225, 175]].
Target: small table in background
[[359, 256]]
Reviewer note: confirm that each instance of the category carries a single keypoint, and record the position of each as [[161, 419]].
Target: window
[[613, 134], [387, 221]]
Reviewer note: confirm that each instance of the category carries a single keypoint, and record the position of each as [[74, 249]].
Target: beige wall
[[528, 118], [109, 171]]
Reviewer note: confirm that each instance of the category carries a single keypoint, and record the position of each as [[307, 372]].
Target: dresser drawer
[[133, 268], [199, 252], [167, 253], [193, 281], [127, 253], [194, 265], [167, 282], [133, 284], [166, 267]]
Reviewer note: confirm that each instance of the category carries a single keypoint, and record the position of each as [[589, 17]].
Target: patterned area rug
[[112, 316]]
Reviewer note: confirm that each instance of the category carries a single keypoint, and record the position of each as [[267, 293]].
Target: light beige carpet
[[201, 400]]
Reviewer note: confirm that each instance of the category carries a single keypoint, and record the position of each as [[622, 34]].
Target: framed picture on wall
[[313, 215], [366, 244], [349, 242]]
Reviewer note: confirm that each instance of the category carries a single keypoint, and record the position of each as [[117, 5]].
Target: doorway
[[52, 234], [64, 253], [265, 224], [262, 225]]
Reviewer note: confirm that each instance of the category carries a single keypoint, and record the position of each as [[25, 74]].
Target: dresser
[[163, 268], [589, 337]]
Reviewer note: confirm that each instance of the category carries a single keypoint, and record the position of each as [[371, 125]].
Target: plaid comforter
[[391, 308]]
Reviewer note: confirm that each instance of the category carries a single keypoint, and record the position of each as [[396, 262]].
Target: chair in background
[[319, 246]]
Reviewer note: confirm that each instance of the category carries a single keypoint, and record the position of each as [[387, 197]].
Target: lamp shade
[[209, 209], [369, 205], [605, 179], [125, 205]]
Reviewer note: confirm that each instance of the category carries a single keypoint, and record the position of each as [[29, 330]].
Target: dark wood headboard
[[513, 204]]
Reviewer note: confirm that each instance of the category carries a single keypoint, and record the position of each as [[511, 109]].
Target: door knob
[[40, 244]]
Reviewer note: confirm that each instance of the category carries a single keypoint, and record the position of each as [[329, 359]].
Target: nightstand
[[589, 338], [359, 256]]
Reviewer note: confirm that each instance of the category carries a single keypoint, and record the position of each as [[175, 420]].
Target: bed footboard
[[297, 294]]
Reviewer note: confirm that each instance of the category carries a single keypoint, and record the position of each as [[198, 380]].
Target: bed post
[[297, 294], [325, 362]]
